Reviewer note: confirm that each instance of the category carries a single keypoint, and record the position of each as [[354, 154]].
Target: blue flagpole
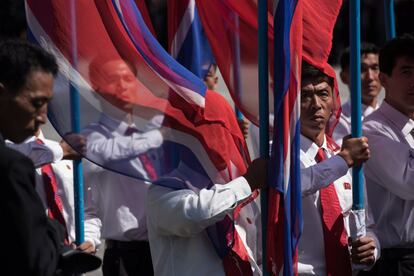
[[389, 19], [75, 120], [263, 112], [355, 74]]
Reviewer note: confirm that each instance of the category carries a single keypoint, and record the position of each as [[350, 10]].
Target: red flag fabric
[[142, 6], [227, 22], [319, 18], [232, 30], [230, 22], [88, 36]]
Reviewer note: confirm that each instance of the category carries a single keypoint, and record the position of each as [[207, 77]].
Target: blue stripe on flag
[[188, 80], [195, 53], [292, 194]]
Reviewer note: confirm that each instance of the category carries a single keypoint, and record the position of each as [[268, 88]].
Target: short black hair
[[402, 46], [310, 72], [19, 58], [366, 48], [12, 19]]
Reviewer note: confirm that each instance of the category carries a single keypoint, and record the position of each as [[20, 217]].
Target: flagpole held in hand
[[357, 215], [75, 120]]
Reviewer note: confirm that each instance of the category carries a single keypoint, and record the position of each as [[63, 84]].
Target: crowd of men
[[179, 223]]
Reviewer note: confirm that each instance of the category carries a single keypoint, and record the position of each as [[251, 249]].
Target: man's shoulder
[[376, 120], [8, 155], [378, 124], [12, 159]]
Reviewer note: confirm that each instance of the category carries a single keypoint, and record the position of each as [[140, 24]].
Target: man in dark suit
[[31, 243]]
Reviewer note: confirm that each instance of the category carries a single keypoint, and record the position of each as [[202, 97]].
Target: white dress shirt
[[177, 220], [115, 204], [315, 176], [41, 154], [343, 128], [390, 175]]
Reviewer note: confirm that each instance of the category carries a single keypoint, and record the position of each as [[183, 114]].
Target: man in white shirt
[[115, 203], [59, 155], [34, 244], [390, 171], [178, 220], [326, 186], [48, 152], [370, 87]]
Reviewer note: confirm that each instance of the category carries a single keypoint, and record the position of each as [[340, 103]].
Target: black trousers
[[393, 261], [127, 259]]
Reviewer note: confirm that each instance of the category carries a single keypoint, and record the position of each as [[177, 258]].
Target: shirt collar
[[311, 148], [33, 138], [401, 121], [366, 109], [40, 136]]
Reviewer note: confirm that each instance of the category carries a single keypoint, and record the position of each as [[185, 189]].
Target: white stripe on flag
[[69, 74], [183, 28]]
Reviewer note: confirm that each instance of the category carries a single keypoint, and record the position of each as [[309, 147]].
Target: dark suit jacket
[[30, 242]]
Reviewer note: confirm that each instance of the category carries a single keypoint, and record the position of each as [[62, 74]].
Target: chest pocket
[[343, 188]]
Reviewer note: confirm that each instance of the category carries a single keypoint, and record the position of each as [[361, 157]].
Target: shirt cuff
[[156, 138], [56, 150], [96, 243], [153, 139], [240, 187]]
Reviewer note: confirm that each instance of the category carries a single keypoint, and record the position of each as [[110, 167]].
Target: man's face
[[316, 106], [23, 112], [370, 82], [211, 78], [399, 86], [118, 85]]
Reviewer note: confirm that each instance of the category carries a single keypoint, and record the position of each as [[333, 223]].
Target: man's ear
[[344, 77]]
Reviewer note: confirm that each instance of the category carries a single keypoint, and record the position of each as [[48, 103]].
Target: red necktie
[[143, 157], [336, 241], [53, 200], [236, 262]]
